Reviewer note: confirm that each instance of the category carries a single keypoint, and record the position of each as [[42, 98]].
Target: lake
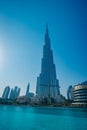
[[42, 118]]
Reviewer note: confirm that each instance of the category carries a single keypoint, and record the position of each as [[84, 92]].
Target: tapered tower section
[[47, 82]]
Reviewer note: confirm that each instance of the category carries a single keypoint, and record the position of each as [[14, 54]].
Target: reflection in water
[[75, 112]]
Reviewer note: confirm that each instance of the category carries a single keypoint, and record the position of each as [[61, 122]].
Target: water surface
[[42, 118]]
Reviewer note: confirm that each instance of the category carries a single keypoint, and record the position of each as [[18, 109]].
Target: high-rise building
[[47, 82], [18, 92], [27, 90], [11, 96], [6, 92], [69, 93], [28, 93], [14, 93]]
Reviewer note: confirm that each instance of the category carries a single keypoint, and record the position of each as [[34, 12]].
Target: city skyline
[[22, 28]]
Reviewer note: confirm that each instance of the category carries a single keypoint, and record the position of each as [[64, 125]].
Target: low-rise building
[[80, 94], [23, 100]]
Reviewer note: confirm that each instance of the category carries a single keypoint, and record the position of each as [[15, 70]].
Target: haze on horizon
[[22, 30]]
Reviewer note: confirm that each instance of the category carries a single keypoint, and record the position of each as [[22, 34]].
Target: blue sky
[[22, 29]]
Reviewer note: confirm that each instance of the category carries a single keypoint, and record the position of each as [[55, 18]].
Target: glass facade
[[47, 82]]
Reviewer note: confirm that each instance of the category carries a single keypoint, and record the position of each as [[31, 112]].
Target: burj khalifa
[[47, 82]]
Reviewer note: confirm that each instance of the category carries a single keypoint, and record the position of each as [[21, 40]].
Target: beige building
[[80, 94]]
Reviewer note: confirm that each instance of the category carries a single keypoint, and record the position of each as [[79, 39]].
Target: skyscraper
[[6, 92], [11, 96], [47, 83], [69, 92], [27, 91], [14, 93]]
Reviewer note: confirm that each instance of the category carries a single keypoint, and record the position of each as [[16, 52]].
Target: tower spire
[[47, 38], [47, 31]]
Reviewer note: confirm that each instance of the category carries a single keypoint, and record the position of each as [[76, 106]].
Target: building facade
[[80, 94], [14, 93], [27, 90], [47, 82], [28, 93], [6, 92], [69, 93]]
